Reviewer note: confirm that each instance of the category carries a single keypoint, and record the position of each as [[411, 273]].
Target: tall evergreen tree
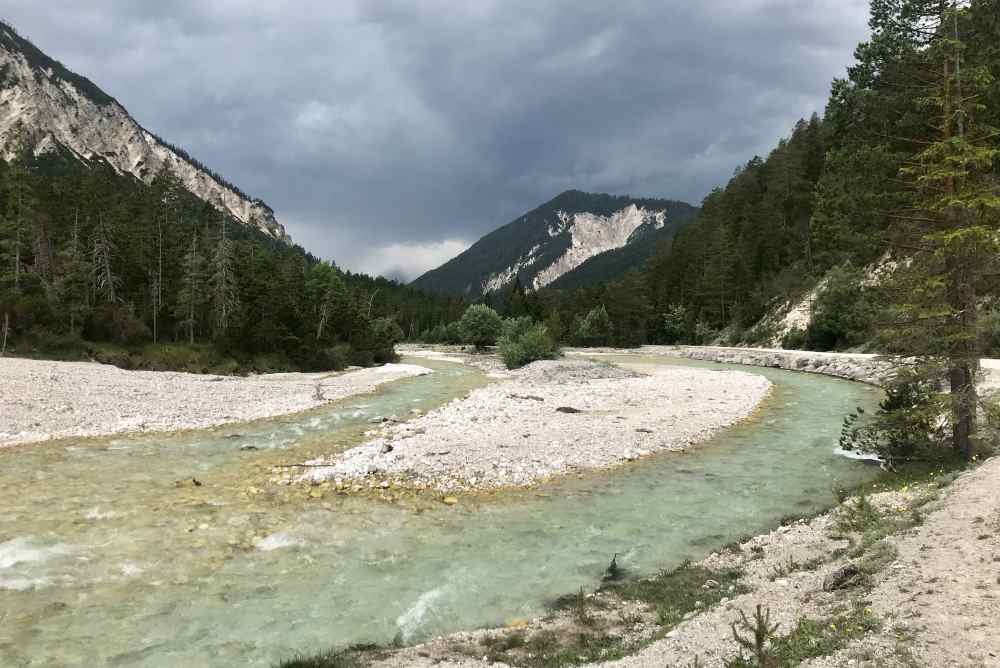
[[191, 297], [225, 294]]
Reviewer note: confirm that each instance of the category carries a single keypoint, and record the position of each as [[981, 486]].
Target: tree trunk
[[6, 328], [962, 373]]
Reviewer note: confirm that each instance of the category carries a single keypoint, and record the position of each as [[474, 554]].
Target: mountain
[[574, 239], [51, 111]]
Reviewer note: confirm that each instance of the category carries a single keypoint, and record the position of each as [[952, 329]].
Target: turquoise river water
[[111, 555]]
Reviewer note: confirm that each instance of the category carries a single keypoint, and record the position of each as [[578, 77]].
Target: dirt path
[[942, 594]]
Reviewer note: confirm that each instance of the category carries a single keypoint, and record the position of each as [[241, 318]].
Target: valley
[[617, 429]]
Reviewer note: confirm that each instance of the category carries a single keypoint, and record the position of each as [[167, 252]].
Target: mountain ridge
[[48, 109], [572, 239]]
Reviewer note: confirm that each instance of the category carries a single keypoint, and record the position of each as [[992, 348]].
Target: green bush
[[480, 326], [907, 425], [842, 315], [795, 339], [386, 333], [704, 333], [595, 329], [534, 344], [514, 328], [554, 324], [676, 325], [453, 333], [117, 323]]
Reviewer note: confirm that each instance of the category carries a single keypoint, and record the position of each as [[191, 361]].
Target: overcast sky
[[390, 134]]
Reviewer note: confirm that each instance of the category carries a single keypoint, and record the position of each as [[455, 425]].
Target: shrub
[[704, 333], [514, 328], [595, 329], [453, 333], [480, 326], [907, 425], [842, 314], [794, 339], [676, 328], [386, 333], [554, 324], [118, 323], [534, 344]]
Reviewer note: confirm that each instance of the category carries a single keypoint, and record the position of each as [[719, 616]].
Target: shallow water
[[106, 559]]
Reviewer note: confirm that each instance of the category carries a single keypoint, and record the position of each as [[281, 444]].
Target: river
[[111, 554]]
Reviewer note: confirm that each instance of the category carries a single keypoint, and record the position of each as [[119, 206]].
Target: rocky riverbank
[[547, 419], [901, 578], [860, 367], [44, 400]]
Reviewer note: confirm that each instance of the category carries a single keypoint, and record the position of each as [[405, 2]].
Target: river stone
[[844, 577]]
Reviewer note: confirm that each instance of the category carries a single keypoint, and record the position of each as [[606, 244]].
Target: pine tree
[[106, 282], [948, 228], [72, 286], [191, 297], [20, 220], [225, 292]]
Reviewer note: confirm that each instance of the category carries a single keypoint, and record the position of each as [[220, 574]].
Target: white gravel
[[513, 433], [42, 400]]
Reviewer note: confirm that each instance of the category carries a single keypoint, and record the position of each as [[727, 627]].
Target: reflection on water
[[167, 551]]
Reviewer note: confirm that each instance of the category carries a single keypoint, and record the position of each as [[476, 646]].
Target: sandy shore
[[547, 419], [42, 400]]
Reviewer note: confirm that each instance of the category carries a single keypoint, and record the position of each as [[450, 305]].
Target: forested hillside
[[96, 264], [844, 194]]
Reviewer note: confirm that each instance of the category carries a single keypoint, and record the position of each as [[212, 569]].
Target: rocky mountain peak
[[46, 108]]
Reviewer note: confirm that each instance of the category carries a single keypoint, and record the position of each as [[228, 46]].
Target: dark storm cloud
[[388, 134]]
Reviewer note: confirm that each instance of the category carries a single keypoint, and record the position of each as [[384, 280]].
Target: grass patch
[[795, 566], [332, 659], [866, 527], [938, 474], [591, 631], [809, 639], [688, 588], [877, 557], [550, 649]]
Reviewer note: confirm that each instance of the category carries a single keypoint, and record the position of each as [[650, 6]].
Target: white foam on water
[[409, 622], [131, 569], [276, 541], [96, 513], [860, 456], [23, 584], [22, 550]]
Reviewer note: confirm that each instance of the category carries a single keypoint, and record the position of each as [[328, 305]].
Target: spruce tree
[[106, 282], [950, 228], [225, 292], [191, 297], [72, 285]]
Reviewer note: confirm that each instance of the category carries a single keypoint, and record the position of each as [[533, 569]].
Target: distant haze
[[390, 135]]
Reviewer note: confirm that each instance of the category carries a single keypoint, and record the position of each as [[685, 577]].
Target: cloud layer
[[389, 133]]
